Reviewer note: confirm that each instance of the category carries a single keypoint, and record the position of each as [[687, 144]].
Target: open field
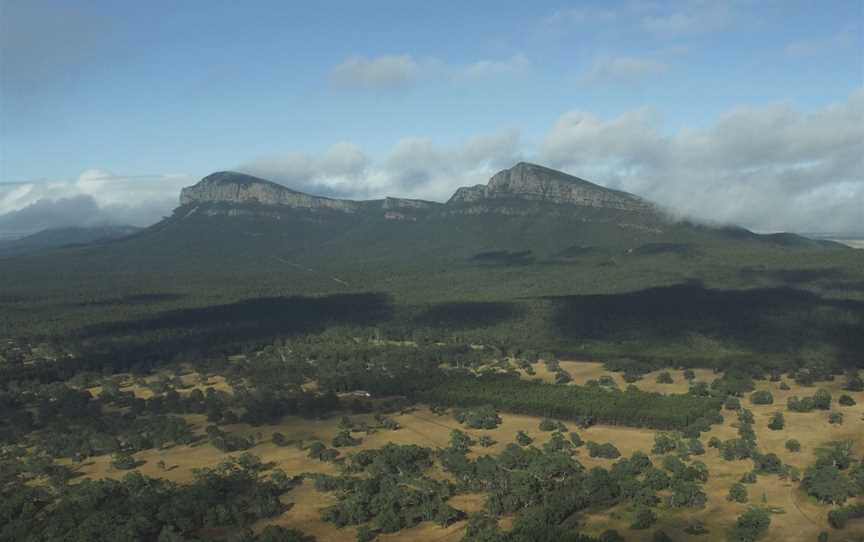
[[802, 518]]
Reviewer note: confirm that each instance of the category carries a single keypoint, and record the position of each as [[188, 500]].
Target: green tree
[[777, 422], [737, 493], [461, 441], [123, 461], [644, 518], [547, 425], [751, 525], [732, 403], [761, 397], [846, 400], [365, 534], [822, 400]]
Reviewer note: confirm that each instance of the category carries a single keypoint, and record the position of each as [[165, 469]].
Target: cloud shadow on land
[[223, 328], [468, 314], [763, 320], [793, 276], [826, 279]]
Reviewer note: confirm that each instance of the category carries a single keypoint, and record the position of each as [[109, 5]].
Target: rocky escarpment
[[230, 193], [237, 188], [520, 190], [537, 183]]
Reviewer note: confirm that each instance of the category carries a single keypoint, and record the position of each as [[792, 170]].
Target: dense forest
[[544, 280]]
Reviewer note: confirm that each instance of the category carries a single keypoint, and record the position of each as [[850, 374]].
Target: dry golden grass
[[191, 379], [803, 518]]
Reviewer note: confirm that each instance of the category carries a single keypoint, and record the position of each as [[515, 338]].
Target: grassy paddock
[[803, 518]]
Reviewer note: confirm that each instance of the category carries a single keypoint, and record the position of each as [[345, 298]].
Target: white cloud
[[383, 72], [414, 167], [394, 71], [770, 167], [621, 68], [336, 172], [94, 197], [515, 65]]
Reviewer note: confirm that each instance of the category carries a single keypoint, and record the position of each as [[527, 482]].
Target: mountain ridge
[[523, 181]]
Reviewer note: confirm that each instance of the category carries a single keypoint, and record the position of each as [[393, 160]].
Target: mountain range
[[535, 256], [548, 212]]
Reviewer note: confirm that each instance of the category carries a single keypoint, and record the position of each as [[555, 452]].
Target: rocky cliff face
[[523, 182], [238, 188], [538, 183]]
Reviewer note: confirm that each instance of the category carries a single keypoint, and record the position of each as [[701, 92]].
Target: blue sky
[[124, 102]]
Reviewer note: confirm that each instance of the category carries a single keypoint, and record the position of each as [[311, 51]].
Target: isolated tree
[[777, 422], [547, 425], [664, 378], [751, 525], [344, 439], [822, 400], [793, 445], [854, 382], [123, 461], [761, 397], [769, 462], [737, 493]]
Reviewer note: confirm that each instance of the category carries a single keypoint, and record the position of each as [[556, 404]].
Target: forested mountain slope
[[535, 257]]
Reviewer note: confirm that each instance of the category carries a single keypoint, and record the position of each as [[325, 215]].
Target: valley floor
[[796, 516]]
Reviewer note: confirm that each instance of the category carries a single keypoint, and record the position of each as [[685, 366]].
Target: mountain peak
[[222, 178], [529, 181], [524, 181], [239, 188]]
